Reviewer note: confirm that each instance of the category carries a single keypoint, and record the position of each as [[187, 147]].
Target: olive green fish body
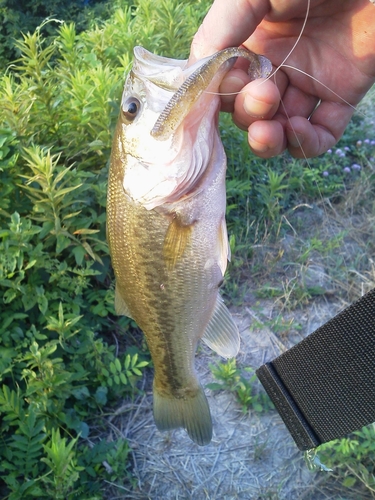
[[167, 234], [171, 302]]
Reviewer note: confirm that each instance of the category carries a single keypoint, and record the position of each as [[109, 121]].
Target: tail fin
[[191, 413]]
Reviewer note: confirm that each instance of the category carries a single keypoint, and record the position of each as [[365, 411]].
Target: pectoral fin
[[120, 307], [221, 333], [176, 241]]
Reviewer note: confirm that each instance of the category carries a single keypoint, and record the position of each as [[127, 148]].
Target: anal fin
[[221, 333]]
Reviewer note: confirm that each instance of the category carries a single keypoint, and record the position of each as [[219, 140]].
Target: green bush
[[23, 17], [60, 367]]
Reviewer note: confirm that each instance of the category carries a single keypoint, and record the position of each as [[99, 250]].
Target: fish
[[166, 226]]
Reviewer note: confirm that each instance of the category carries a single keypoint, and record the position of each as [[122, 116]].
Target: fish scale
[[154, 307], [166, 227]]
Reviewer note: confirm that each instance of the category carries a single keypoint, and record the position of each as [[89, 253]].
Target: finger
[[230, 87], [259, 99], [296, 102], [266, 138], [227, 24], [309, 138]]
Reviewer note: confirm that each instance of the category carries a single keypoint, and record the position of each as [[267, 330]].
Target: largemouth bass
[[166, 223]]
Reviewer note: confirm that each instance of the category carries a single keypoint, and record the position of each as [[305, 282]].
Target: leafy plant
[[234, 379], [27, 16], [65, 360], [352, 458], [126, 373], [61, 462]]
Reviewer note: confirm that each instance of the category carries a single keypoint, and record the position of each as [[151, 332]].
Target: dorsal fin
[[221, 333]]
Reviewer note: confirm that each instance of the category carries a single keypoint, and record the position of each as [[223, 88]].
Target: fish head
[[167, 128]]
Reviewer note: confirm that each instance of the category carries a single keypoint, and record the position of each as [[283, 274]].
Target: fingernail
[[230, 87], [253, 107], [234, 81], [258, 147], [295, 140]]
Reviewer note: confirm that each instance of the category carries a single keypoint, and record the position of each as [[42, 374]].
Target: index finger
[[227, 24]]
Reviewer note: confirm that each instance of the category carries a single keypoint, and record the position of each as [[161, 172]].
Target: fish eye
[[130, 109]]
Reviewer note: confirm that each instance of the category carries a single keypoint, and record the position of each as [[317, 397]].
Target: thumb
[[227, 24]]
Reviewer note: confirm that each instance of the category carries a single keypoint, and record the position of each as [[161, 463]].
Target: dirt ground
[[252, 455]]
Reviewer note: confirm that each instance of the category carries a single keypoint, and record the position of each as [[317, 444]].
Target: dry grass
[[251, 455]]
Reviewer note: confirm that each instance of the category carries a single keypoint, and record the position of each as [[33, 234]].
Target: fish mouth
[[209, 75]]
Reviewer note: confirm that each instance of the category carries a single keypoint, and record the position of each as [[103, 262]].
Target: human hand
[[336, 47]]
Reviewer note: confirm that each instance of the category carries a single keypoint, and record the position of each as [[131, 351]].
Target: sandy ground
[[251, 456]]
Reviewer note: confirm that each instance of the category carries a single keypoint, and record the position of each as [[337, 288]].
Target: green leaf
[[84, 430], [29, 300], [142, 364], [46, 229], [9, 296], [118, 365], [31, 264], [214, 386], [79, 253], [6, 359], [86, 231], [10, 319], [134, 359], [257, 407], [62, 242], [43, 304], [81, 393], [127, 362], [349, 482], [101, 395]]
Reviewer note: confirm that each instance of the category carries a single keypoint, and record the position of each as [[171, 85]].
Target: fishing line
[[321, 83], [296, 42], [300, 71], [282, 64], [273, 74], [289, 120]]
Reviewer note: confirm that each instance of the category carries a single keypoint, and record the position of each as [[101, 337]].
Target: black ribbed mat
[[324, 387]]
